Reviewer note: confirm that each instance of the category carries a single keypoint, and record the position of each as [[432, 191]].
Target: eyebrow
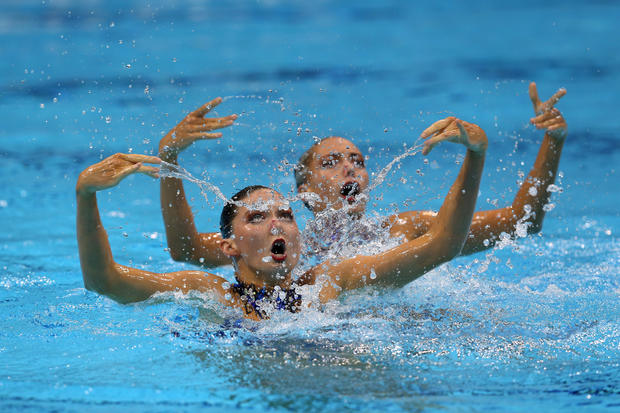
[[335, 153]]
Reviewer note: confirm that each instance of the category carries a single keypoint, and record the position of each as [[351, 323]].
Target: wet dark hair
[[229, 212]]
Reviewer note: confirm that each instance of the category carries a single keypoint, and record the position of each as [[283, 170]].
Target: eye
[[256, 217], [329, 162], [358, 161], [286, 215]]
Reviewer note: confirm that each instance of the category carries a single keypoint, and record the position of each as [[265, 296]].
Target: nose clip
[[275, 230]]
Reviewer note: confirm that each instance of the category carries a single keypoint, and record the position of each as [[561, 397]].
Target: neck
[[336, 218], [263, 281]]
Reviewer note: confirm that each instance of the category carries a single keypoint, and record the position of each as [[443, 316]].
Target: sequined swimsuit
[[253, 300]]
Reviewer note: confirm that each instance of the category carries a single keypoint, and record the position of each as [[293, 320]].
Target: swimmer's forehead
[[263, 199], [335, 146]]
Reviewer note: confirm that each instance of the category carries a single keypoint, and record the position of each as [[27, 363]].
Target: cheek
[[364, 175]]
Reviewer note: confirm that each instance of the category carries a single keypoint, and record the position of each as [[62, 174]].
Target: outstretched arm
[[408, 261], [185, 242], [527, 211], [99, 270]]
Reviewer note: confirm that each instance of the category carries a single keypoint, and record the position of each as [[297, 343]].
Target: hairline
[[301, 170]]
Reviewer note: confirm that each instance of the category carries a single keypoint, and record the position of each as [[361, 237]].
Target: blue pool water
[[531, 326]]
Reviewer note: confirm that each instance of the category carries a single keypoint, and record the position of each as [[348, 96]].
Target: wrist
[[557, 135], [478, 153], [167, 154], [83, 192]]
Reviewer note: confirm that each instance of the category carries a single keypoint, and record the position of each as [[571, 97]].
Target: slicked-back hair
[[302, 169], [229, 212]]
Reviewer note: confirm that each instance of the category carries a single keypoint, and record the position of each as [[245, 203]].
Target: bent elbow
[[99, 285], [182, 254], [534, 228], [453, 251], [178, 256], [448, 251]]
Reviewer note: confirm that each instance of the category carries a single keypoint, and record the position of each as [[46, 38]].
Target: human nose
[[276, 227], [348, 167]]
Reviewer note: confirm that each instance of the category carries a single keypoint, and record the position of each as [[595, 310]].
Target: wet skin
[[265, 242], [337, 174]]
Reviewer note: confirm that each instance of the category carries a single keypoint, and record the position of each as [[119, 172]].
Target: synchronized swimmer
[[258, 219]]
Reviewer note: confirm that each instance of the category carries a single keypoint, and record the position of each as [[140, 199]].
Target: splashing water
[[331, 234]]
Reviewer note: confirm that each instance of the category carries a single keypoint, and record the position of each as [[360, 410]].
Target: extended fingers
[[432, 142], [134, 158], [534, 97], [204, 135], [436, 127], [128, 170], [206, 108], [149, 170], [210, 124], [550, 114], [554, 99]]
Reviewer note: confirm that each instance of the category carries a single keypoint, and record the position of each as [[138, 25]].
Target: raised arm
[[184, 241], [444, 240], [526, 214], [99, 270], [527, 211]]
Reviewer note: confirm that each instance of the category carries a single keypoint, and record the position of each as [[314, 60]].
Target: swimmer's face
[[265, 240], [337, 173]]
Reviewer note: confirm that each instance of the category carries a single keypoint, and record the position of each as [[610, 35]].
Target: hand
[[548, 117], [194, 127], [112, 170], [452, 129]]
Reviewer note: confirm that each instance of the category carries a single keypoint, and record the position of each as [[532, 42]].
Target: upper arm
[[486, 226], [395, 267], [411, 224], [133, 284], [204, 251]]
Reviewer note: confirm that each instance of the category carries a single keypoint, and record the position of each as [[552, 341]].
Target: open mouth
[[349, 191], [278, 250]]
